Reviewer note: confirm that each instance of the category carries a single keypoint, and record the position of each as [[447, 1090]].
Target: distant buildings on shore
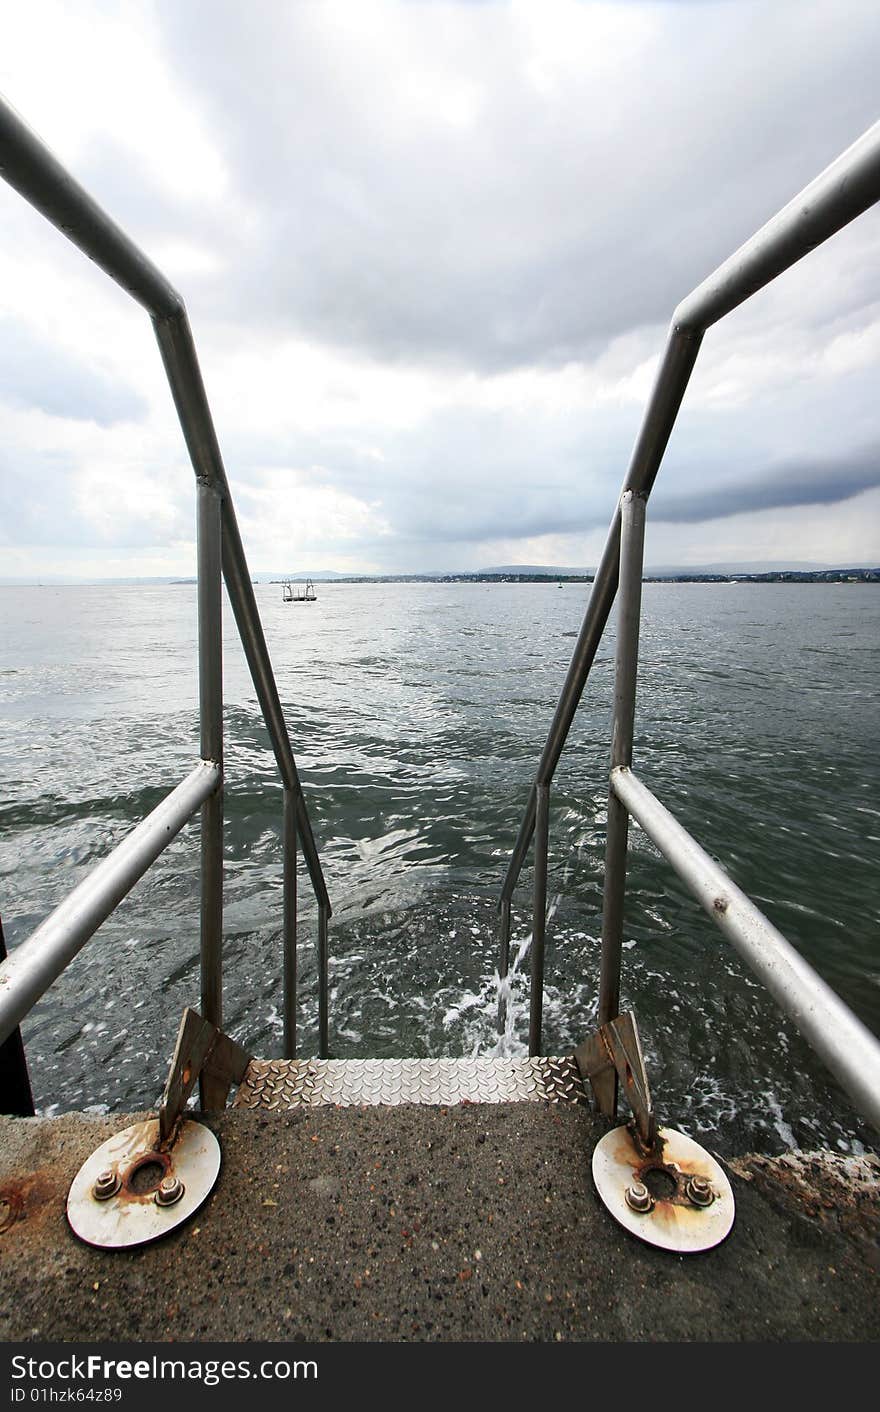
[[771, 576]]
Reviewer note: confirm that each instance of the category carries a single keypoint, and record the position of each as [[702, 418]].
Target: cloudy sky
[[430, 251]]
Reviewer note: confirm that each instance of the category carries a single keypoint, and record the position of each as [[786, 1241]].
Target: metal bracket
[[202, 1051], [614, 1052], [677, 1197]]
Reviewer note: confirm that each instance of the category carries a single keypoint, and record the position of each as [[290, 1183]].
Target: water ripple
[[417, 715]]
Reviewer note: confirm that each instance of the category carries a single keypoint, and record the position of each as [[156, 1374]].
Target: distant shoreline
[[770, 576], [777, 576]]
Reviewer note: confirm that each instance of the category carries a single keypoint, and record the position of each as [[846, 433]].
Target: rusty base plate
[[678, 1198], [128, 1191]]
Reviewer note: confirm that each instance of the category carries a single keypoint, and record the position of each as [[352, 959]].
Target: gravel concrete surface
[[443, 1224]]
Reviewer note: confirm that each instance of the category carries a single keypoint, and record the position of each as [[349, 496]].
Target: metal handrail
[[31, 968], [848, 1047], [28, 166], [846, 188]]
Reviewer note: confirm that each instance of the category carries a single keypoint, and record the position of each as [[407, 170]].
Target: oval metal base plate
[[674, 1221], [132, 1216]]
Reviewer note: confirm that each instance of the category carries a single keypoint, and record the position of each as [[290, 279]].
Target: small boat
[[298, 592]]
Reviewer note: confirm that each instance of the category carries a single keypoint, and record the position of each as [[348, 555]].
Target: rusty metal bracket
[[201, 1052], [134, 1188], [677, 1197], [614, 1052], [144, 1182]]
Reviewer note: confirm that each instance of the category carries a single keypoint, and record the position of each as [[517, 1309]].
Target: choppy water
[[417, 714]]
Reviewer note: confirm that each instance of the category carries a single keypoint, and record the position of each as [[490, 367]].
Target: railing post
[[629, 598], [323, 997], [289, 846], [539, 917], [504, 932], [16, 1097], [503, 964], [211, 737]]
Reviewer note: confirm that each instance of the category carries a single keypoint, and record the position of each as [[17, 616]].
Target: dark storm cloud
[[562, 510], [556, 218], [473, 474], [36, 374], [799, 481]]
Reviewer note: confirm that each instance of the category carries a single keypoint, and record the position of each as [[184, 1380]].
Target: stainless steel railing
[[849, 186], [32, 967], [848, 1048], [843, 191], [28, 166]]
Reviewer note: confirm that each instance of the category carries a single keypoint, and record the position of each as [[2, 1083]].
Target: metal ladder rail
[[846, 1046], [845, 189], [31, 968], [28, 166]]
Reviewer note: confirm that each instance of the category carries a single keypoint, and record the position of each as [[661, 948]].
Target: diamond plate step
[[308, 1083]]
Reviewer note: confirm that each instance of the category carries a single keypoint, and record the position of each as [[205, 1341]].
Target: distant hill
[[551, 570], [673, 570], [741, 566], [317, 575], [741, 569]]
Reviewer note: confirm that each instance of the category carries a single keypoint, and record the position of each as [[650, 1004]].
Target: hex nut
[[638, 1198], [699, 1191], [107, 1183], [169, 1190]]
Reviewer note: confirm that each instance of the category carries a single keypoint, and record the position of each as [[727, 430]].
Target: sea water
[[417, 714]]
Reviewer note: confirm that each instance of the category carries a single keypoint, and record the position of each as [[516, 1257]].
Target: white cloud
[[94, 72], [288, 515], [430, 253]]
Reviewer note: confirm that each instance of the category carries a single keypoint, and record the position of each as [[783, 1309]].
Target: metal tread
[[309, 1083]]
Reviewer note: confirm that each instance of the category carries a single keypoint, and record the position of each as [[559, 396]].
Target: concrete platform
[[431, 1223]]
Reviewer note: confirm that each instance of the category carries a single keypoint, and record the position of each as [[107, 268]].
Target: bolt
[[107, 1183], [169, 1190], [699, 1191], [638, 1198]]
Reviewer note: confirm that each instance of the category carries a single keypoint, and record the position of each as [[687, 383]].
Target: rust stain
[[29, 1197], [144, 1159], [624, 1151], [674, 1212], [138, 1148], [833, 1191]]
